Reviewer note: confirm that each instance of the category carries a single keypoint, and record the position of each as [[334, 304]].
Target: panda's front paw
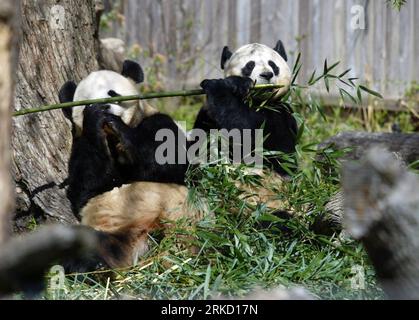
[[210, 85], [94, 116], [239, 86], [113, 126], [94, 113], [119, 137]]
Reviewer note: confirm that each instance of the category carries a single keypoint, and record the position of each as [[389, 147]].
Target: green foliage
[[234, 254], [114, 15], [344, 83], [299, 96], [32, 224], [413, 91], [397, 4], [154, 81]]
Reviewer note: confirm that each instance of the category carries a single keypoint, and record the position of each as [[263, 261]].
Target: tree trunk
[[8, 52], [255, 21], [59, 43], [382, 210]]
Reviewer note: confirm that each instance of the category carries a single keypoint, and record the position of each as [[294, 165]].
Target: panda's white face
[[260, 63], [105, 84]]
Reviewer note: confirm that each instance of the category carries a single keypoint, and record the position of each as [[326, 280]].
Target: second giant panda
[[227, 107], [116, 186]]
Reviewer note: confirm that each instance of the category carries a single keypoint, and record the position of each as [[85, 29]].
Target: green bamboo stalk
[[152, 95]]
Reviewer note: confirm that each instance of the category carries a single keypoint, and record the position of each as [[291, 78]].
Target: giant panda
[[227, 107], [116, 187], [106, 84]]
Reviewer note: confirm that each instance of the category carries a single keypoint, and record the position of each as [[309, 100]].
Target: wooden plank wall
[[192, 33]]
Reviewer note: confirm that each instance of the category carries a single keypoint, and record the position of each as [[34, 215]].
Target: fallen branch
[[382, 210], [153, 95], [23, 261], [406, 145]]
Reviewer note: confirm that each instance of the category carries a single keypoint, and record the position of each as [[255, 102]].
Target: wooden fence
[[191, 34]]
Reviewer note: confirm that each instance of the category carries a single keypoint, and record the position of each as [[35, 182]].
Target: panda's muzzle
[[267, 75]]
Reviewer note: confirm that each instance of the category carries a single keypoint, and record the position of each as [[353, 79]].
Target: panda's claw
[[118, 142], [109, 129]]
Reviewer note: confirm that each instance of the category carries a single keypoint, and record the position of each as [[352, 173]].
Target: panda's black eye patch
[[248, 68], [274, 67], [113, 94]]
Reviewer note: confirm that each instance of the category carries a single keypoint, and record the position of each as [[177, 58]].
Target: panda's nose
[[267, 75]]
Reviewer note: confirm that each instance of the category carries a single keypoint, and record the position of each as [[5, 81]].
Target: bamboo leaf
[[320, 110], [333, 66], [319, 78], [344, 82], [300, 131], [371, 92], [297, 61], [207, 281], [359, 93], [310, 82], [286, 96], [326, 83], [296, 74], [347, 94], [344, 73], [351, 80]]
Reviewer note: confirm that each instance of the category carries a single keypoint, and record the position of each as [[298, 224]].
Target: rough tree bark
[[59, 42], [382, 210], [8, 52]]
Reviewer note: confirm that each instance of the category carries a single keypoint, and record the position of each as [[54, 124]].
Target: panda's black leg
[[92, 168]]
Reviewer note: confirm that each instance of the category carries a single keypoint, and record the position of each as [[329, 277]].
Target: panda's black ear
[[225, 56], [281, 50], [133, 70], [66, 94]]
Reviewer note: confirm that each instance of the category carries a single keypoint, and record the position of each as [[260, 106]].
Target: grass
[[235, 255]]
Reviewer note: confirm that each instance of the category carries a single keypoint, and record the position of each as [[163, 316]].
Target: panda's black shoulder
[[158, 120], [150, 125], [204, 121]]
